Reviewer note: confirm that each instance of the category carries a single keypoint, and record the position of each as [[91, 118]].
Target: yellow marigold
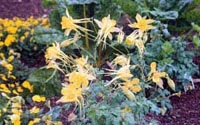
[[142, 24], [34, 110], [10, 58], [11, 30], [15, 92], [9, 40], [34, 121], [4, 88], [27, 85], [38, 98], [9, 67], [19, 89]]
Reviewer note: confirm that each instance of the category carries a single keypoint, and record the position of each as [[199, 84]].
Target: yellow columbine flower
[[70, 41], [107, 26], [34, 110], [121, 60], [70, 24], [157, 76], [71, 93], [142, 24], [15, 119], [79, 78], [133, 85], [123, 73], [38, 98], [132, 38]]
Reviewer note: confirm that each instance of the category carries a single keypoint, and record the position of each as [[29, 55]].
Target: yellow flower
[[157, 76], [15, 92], [9, 40], [10, 58], [132, 38], [11, 30], [53, 54], [27, 85], [15, 119], [9, 67], [4, 88], [71, 93], [142, 24], [133, 85], [19, 89], [78, 78], [34, 110], [121, 60], [107, 26], [69, 41], [34, 121], [123, 73], [38, 98], [70, 24], [81, 61]]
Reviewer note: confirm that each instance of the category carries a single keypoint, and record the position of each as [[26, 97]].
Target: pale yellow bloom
[[79, 78], [107, 26], [142, 24], [69, 41], [133, 85], [71, 93], [157, 76], [121, 60], [123, 74], [69, 24]]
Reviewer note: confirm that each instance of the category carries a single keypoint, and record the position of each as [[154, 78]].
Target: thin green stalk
[[86, 26]]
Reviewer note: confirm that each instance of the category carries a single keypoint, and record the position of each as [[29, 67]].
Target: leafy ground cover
[[185, 108]]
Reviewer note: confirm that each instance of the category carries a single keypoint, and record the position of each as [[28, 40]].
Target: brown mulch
[[186, 109]]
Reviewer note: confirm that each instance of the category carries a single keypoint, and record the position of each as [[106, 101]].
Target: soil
[[186, 108]]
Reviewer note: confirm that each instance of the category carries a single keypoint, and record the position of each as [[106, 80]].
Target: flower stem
[[86, 26]]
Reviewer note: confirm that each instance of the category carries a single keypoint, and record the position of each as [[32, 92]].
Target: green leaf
[[171, 15], [47, 36], [196, 41], [38, 79]]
